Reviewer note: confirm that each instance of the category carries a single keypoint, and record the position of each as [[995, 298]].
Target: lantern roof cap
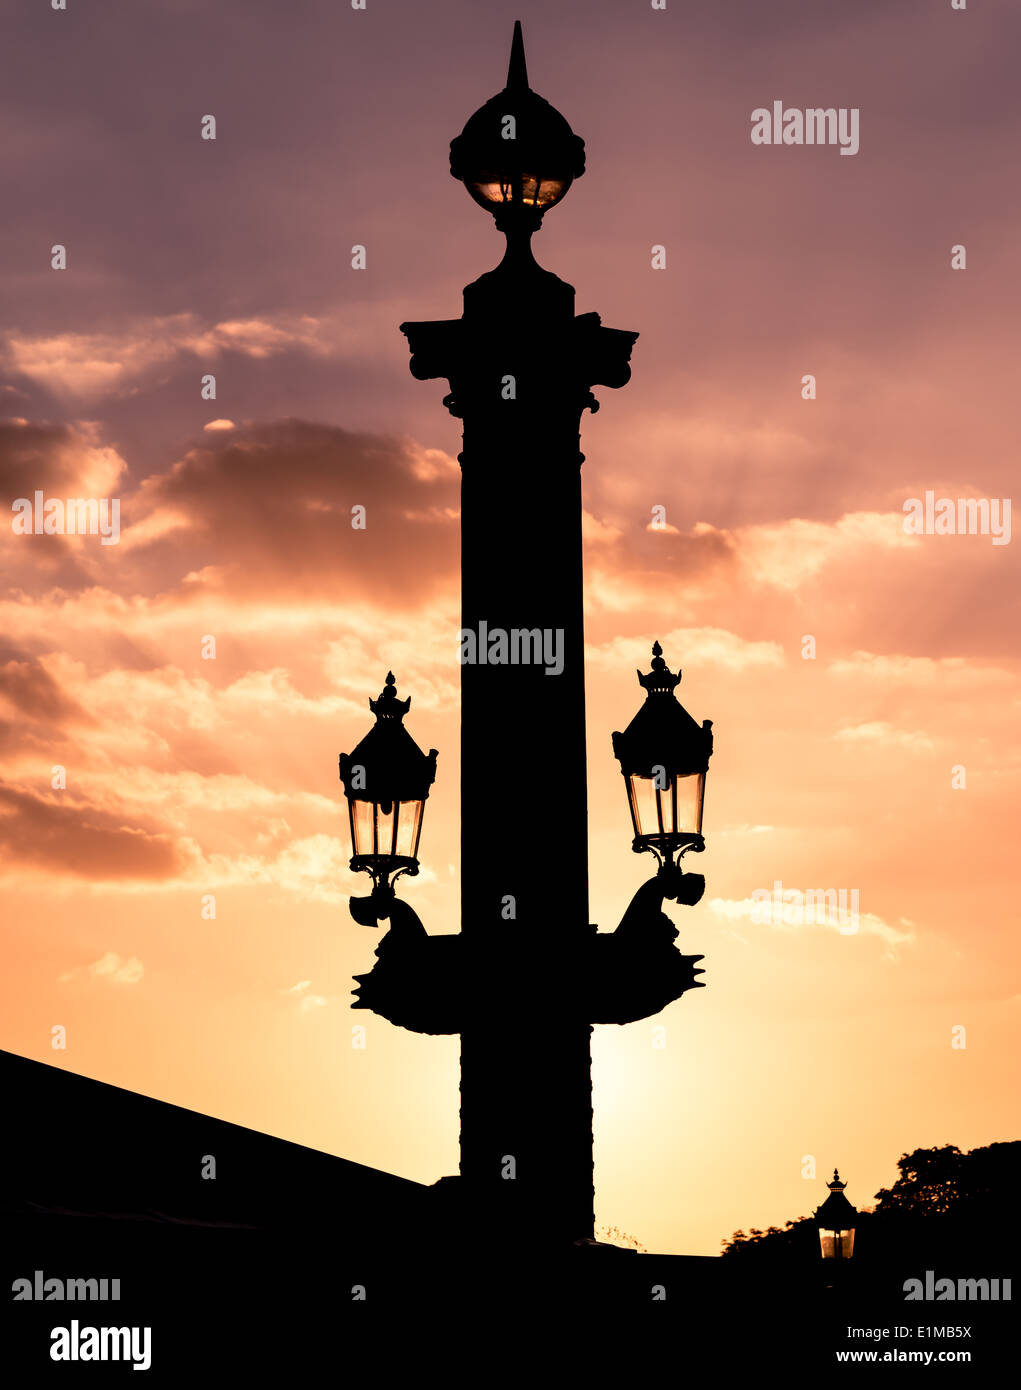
[[542, 136], [836, 1213], [663, 733], [392, 764]]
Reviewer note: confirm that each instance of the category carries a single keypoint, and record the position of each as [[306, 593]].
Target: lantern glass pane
[[690, 795], [644, 804], [409, 827], [632, 804], [526, 189], [361, 827], [836, 1245], [385, 827]]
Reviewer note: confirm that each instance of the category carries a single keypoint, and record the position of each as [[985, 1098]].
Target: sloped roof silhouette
[[86, 1148]]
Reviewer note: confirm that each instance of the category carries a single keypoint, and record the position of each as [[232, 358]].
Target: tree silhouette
[[959, 1194], [936, 1182]]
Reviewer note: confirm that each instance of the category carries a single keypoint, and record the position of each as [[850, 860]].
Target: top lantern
[[517, 154]]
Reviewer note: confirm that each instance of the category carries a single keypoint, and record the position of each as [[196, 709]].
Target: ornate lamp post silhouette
[[528, 974], [836, 1220]]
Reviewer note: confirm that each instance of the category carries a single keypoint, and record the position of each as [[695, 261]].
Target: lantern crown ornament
[[664, 757], [517, 156], [836, 1220], [386, 781]]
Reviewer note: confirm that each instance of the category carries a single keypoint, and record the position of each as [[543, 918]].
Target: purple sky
[[333, 127]]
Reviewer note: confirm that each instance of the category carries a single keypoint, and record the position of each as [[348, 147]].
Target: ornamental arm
[[604, 353], [437, 347]]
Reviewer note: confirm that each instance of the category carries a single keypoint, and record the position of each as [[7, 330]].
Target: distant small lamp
[[517, 156], [664, 756], [836, 1220], [386, 781]]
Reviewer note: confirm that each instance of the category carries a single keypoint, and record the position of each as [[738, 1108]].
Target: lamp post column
[[526, 1090]]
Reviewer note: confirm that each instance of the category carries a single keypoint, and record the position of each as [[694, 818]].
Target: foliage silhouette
[[945, 1202]]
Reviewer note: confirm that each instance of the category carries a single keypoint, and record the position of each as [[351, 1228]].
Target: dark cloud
[[272, 506], [35, 455], [81, 840], [37, 696], [265, 509]]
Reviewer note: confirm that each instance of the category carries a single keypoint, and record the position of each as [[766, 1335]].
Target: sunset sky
[[187, 777]]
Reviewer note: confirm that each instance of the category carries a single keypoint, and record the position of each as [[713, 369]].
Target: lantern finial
[[387, 705], [517, 73], [660, 680]]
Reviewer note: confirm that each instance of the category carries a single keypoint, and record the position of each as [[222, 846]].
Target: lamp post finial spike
[[517, 72]]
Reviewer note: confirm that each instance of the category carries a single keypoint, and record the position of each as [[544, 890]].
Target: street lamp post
[[528, 974]]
